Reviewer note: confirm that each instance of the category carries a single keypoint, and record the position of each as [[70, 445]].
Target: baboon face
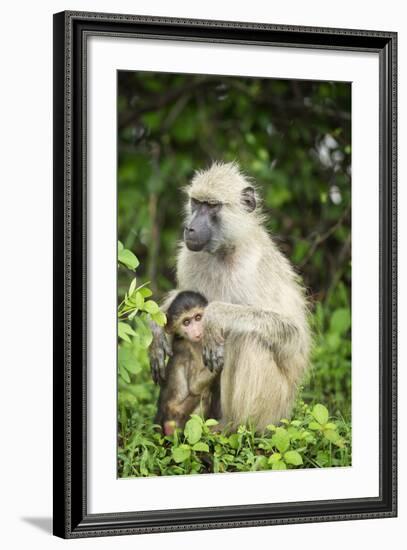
[[184, 316], [190, 325], [219, 210], [203, 226], [213, 225]]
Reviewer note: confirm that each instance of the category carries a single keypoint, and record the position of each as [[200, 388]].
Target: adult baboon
[[255, 300]]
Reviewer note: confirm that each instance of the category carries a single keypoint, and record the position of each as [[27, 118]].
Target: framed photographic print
[[224, 274]]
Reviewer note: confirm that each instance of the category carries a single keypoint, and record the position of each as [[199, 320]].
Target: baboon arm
[[274, 329], [160, 347], [201, 381]]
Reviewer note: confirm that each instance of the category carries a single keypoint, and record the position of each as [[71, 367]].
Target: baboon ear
[[248, 198]]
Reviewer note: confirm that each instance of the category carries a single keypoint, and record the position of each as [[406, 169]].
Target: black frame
[[71, 519]]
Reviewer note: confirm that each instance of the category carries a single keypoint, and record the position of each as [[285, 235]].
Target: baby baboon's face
[[190, 326]]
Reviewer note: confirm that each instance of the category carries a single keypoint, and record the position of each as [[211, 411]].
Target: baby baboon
[[187, 385], [255, 300]]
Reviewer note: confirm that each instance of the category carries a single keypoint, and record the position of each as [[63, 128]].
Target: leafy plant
[[330, 377], [300, 443], [134, 313]]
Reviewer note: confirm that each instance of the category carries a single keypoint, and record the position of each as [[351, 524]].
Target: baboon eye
[[194, 203], [198, 317], [185, 322], [214, 207]]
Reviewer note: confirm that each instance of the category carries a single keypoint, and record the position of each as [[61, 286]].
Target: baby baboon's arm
[[200, 381]]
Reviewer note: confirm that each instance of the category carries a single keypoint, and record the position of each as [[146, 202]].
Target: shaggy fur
[[256, 303]]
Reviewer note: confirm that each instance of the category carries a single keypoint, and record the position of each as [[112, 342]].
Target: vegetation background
[[294, 138]]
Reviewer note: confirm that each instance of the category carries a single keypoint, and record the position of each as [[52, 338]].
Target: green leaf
[[320, 413], [124, 337], [331, 426], [127, 360], [275, 457], [197, 418], [127, 258], [141, 392], [333, 340], [234, 441], [340, 321], [280, 465], [144, 333], [132, 286], [260, 463], [211, 422], [294, 433], [314, 426], [132, 315], [293, 457], [151, 307], [124, 374], [139, 300], [159, 318], [124, 328], [332, 435], [181, 453], [193, 431], [145, 340], [322, 458], [145, 292], [126, 397], [201, 446], [281, 440], [308, 437], [119, 246]]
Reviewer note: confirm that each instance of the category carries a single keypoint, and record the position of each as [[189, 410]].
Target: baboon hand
[[159, 350], [213, 356], [213, 341]]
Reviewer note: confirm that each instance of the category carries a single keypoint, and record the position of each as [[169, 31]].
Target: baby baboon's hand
[[213, 340], [158, 352]]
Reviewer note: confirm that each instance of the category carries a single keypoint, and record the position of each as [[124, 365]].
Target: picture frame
[[71, 33]]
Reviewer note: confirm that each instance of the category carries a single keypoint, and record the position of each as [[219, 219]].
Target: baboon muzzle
[[197, 234]]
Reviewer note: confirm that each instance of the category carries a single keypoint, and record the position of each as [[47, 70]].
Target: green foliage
[[330, 377], [134, 313], [299, 443], [126, 257]]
